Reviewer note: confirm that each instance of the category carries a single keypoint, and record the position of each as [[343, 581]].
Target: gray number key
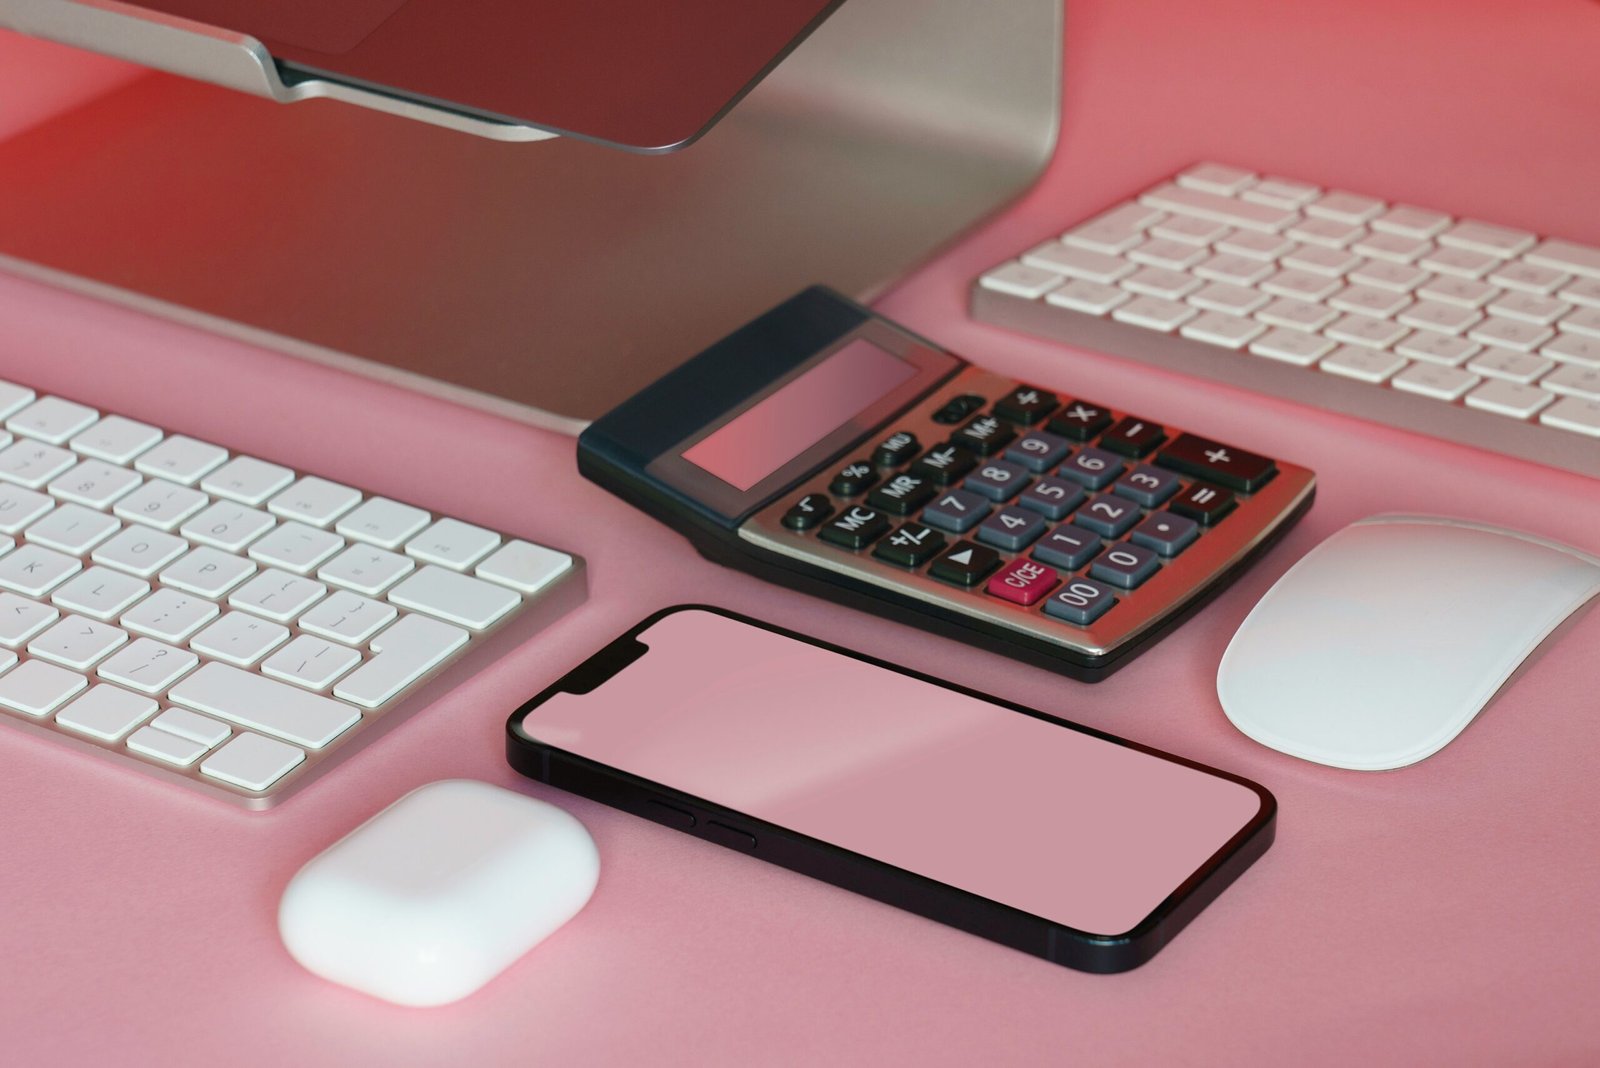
[[1094, 468], [997, 480], [1038, 450], [1081, 601], [1126, 565], [1011, 529], [1067, 547], [1150, 486], [956, 511], [1108, 515], [1052, 498]]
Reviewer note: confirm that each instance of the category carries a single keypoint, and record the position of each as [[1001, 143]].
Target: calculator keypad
[[1039, 510]]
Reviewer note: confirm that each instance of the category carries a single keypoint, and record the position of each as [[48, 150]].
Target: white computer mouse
[[1380, 646]]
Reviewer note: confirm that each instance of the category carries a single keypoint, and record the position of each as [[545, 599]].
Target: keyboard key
[[454, 597], [406, 651], [1080, 420], [902, 494], [1394, 251], [956, 511], [1217, 178], [911, 546], [76, 642], [896, 449], [1300, 285], [1156, 313], [72, 529], [1133, 437], [1325, 232], [1227, 297], [169, 615], [208, 572], [1461, 262], [1025, 405], [1585, 321], [997, 480], [347, 617], [1020, 280], [1400, 277], [1568, 348], [1369, 300], [295, 546], [1363, 364], [19, 507], [1498, 241], [36, 688], [1529, 308], [1125, 565], [1293, 346], [1573, 380], [33, 570], [804, 514], [856, 527], [1081, 601], [278, 595], [1255, 245], [100, 593], [1039, 450], [1109, 516], [1439, 317], [1294, 314], [106, 713], [93, 483], [1012, 529], [1566, 256], [14, 398], [227, 526], [1167, 283], [984, 435], [115, 439], [319, 502], [944, 465], [1435, 380], [1509, 364], [1510, 399], [1281, 192], [21, 619], [1148, 486], [1581, 415], [1188, 230], [1232, 467], [965, 564], [1094, 468], [239, 638], [1081, 263], [1465, 292], [1067, 547], [147, 666], [252, 762], [1114, 231], [1053, 498], [258, 703], [382, 522], [52, 420], [30, 464], [1233, 268], [1090, 298], [1240, 213], [1408, 221], [160, 504], [191, 725], [311, 662], [167, 748], [246, 480], [181, 459], [1511, 333], [1023, 582], [1166, 533], [452, 543], [1167, 253], [1434, 347], [853, 478], [1366, 330], [1206, 505], [1529, 277], [368, 569]]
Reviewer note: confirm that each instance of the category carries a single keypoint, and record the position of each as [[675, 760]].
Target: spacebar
[[265, 705]]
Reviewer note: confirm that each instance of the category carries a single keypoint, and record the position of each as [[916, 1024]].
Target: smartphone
[[1055, 839]]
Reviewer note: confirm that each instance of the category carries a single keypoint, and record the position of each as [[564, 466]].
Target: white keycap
[[252, 762], [1366, 330], [147, 666], [1188, 230], [226, 525], [1161, 282], [1292, 346], [1369, 300], [208, 572], [1435, 380], [1227, 297], [77, 642], [1155, 313], [311, 662], [7, 659], [366, 569], [1566, 256], [1216, 178], [247, 480], [1363, 364], [1577, 414], [32, 464], [1281, 192], [1392, 248], [1078, 262], [99, 592], [1241, 213], [115, 439], [106, 713], [1231, 267], [239, 638], [1573, 348], [1114, 231], [1509, 398], [406, 651], [1165, 252], [193, 726], [181, 459], [1297, 314], [454, 597], [1509, 364], [348, 617], [295, 546], [452, 543], [1585, 291], [1220, 328], [1434, 347], [73, 529], [1399, 277], [160, 504], [1091, 298], [1529, 277], [36, 688], [52, 420], [278, 595], [1438, 316], [1319, 259], [315, 501], [1511, 333], [94, 483], [1300, 285], [1501, 241], [167, 748], [1408, 221], [1462, 262], [1585, 321], [1570, 380], [1255, 245], [1325, 232], [1020, 280], [169, 615], [33, 570], [524, 566], [1466, 292], [19, 507], [1345, 207], [21, 619], [259, 703], [13, 398], [1529, 307]]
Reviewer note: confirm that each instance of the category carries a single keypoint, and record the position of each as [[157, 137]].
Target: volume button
[[671, 815]]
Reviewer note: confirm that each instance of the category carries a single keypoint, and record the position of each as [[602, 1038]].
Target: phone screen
[[1060, 823]]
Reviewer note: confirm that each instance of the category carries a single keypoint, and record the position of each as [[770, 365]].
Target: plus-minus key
[[1223, 464]]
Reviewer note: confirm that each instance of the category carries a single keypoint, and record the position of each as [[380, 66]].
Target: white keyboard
[[1464, 330], [225, 622]]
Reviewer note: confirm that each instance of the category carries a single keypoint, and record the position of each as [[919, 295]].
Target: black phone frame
[[865, 875]]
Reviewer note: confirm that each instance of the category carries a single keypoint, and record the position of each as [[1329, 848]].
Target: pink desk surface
[[1440, 914]]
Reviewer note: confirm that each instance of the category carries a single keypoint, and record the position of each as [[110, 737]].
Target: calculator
[[827, 449]]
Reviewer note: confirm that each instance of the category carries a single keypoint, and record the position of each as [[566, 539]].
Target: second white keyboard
[[1464, 330], [225, 622]]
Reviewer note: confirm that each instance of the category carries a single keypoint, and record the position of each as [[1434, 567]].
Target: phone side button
[[671, 815], [731, 837]]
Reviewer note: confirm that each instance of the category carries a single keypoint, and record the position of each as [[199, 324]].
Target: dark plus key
[[1080, 420], [944, 465], [985, 435], [856, 528], [1133, 437], [1026, 405], [896, 449], [1223, 464]]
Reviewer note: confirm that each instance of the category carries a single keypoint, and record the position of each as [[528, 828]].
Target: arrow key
[[966, 564]]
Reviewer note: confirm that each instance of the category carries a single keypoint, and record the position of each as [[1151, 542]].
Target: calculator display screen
[[801, 413]]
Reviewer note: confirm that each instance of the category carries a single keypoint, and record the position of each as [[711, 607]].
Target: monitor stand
[[546, 281]]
